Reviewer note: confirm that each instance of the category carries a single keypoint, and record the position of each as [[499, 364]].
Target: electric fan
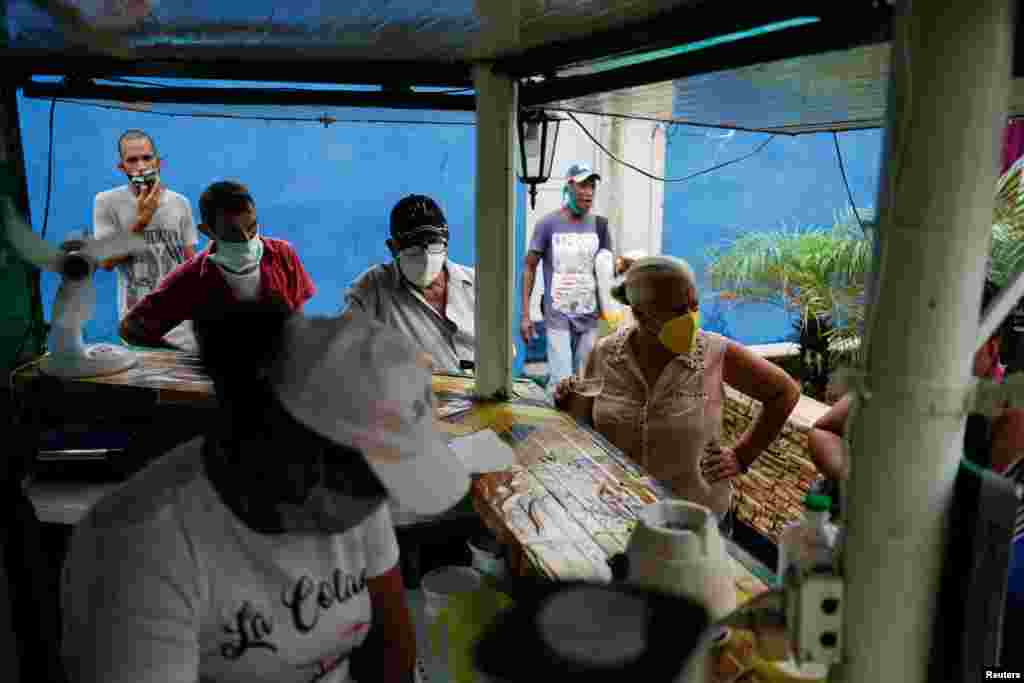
[[76, 260]]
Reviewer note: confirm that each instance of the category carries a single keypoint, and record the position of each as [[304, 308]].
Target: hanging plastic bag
[[611, 310]]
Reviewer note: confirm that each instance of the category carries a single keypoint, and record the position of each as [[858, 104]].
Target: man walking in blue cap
[[567, 241]]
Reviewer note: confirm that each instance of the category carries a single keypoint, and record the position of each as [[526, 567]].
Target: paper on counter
[[484, 451], [453, 407]]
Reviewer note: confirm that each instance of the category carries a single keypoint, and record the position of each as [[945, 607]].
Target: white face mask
[[421, 267], [238, 257]]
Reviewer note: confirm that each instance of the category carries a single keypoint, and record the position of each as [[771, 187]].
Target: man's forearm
[[528, 278], [135, 334], [826, 451], [115, 261], [766, 429], [389, 652]]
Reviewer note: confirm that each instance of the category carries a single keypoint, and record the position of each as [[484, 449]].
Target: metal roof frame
[[228, 65], [537, 68], [394, 98], [793, 42]]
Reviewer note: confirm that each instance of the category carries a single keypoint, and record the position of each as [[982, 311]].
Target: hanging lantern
[[538, 135]]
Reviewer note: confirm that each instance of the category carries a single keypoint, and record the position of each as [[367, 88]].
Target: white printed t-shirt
[[568, 249], [164, 583], [168, 233]]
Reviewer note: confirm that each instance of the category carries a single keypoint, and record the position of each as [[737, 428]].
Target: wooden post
[[950, 79], [495, 231]]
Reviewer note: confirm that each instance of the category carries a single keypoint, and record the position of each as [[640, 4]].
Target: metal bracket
[[814, 617]]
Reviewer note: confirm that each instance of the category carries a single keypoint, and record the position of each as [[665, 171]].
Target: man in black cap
[[421, 293]]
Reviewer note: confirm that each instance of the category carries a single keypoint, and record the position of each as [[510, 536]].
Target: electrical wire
[[846, 183], [667, 180], [675, 122], [674, 129], [132, 81], [322, 120], [454, 91]]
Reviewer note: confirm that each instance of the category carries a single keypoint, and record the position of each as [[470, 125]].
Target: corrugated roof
[[358, 30], [833, 90]]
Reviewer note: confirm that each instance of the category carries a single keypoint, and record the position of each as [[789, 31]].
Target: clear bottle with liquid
[[807, 546]]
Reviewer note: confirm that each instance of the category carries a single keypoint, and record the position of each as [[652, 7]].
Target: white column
[[495, 231], [613, 189], [656, 190], [950, 82]]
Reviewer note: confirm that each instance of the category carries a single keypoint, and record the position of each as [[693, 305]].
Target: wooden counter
[[581, 491], [162, 388], [569, 502]]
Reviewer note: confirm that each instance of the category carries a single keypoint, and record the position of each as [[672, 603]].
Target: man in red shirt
[[238, 264]]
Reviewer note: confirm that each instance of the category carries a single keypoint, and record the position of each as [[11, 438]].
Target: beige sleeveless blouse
[[666, 428]]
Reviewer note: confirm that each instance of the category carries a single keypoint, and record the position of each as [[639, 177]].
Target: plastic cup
[[438, 586], [442, 582]]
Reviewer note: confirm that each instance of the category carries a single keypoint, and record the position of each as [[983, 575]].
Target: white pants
[[567, 353]]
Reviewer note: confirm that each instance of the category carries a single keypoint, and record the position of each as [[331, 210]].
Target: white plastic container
[[808, 544], [676, 548], [438, 586]]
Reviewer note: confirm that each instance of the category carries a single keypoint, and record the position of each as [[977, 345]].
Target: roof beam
[[391, 99], [793, 42], [690, 24], [222, 65]]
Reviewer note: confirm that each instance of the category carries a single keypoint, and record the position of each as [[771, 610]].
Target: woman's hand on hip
[[720, 465]]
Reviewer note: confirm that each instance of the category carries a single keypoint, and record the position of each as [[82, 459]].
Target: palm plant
[[816, 274], [1007, 248], [1007, 254]]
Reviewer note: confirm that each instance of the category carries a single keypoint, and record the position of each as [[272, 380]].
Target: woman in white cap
[[264, 551], [654, 388]]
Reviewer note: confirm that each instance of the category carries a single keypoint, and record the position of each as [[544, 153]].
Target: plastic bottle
[[808, 545]]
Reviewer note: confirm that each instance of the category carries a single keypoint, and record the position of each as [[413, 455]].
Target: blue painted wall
[[794, 182], [329, 190]]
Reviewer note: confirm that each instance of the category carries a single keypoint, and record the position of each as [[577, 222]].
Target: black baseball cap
[[417, 216]]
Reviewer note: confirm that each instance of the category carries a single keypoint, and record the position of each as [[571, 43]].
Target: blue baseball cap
[[579, 171]]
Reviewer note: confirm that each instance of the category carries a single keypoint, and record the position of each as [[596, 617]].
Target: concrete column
[[495, 231], [613, 188], [948, 98], [656, 190]]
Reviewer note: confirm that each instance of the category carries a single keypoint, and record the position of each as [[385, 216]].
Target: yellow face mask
[[679, 334]]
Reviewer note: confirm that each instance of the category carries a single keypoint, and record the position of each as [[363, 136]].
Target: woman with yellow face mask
[[655, 388]]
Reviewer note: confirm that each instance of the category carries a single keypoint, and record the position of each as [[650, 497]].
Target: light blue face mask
[[569, 200], [238, 257]]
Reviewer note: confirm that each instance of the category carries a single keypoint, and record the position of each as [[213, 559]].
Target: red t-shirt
[[197, 289]]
